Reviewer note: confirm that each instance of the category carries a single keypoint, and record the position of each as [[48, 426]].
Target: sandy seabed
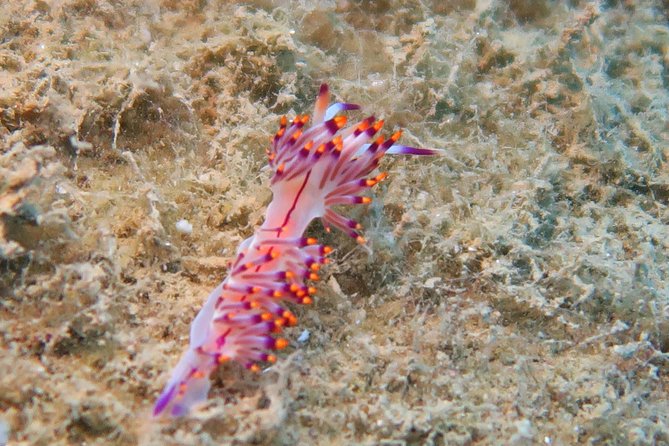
[[514, 291]]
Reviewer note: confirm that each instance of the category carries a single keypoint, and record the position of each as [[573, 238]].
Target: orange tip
[[296, 135], [340, 121], [364, 125]]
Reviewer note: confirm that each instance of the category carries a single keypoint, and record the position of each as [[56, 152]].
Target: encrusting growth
[[315, 168]]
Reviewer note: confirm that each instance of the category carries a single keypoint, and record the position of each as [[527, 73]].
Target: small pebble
[[4, 432], [184, 226], [304, 336]]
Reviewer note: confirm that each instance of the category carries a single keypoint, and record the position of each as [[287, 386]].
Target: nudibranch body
[[315, 168]]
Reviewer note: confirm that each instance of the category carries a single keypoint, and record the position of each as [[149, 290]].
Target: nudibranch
[[315, 168]]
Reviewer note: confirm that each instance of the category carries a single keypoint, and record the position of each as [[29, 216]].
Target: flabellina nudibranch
[[315, 168]]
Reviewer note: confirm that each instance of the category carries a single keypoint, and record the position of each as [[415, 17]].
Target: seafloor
[[515, 291]]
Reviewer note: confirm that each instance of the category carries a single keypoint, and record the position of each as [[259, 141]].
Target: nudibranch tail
[[315, 168]]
